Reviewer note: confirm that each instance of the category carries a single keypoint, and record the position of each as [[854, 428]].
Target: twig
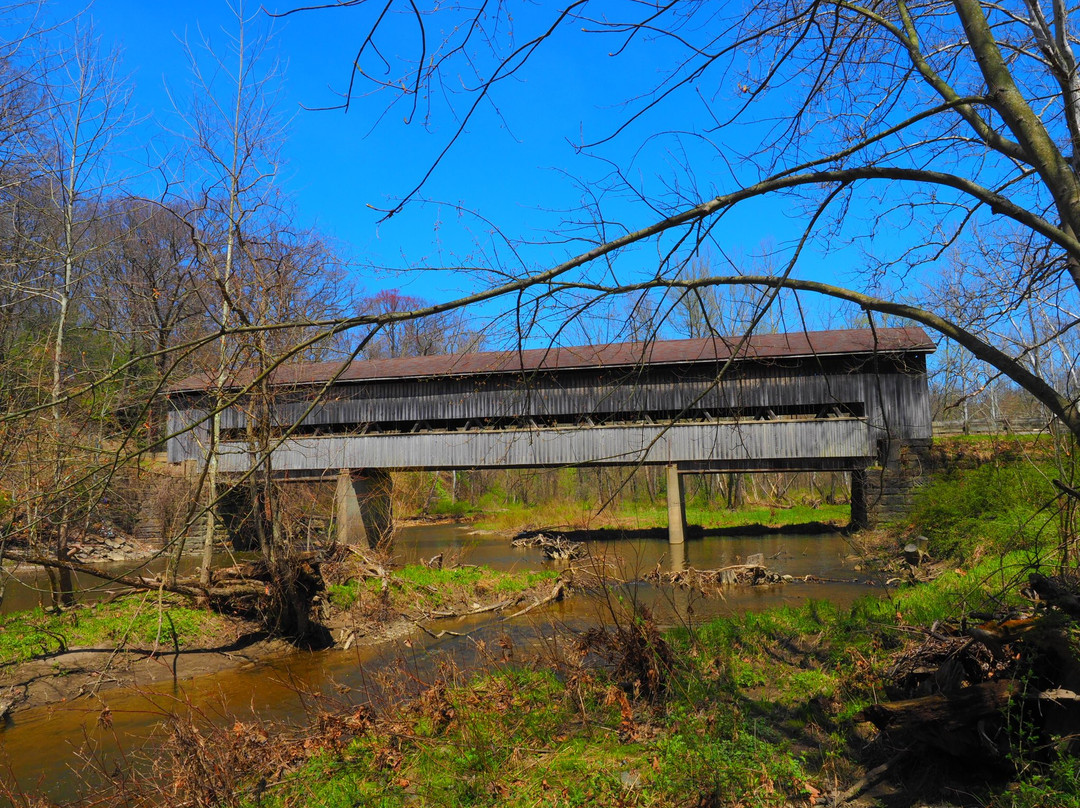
[[494, 607], [871, 778], [1072, 492], [440, 634]]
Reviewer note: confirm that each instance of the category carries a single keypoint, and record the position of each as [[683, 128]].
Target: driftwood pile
[[555, 548], [745, 574], [970, 690]]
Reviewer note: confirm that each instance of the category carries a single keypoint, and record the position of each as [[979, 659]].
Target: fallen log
[[134, 581], [968, 722], [258, 569], [221, 595], [942, 710], [965, 723], [1055, 592]]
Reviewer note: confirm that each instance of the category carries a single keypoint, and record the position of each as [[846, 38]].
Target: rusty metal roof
[[614, 355]]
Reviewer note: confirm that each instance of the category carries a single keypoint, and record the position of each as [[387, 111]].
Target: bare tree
[[444, 333], [235, 131], [84, 109], [910, 130], [144, 292]]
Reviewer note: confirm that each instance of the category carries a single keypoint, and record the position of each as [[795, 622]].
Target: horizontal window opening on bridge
[[717, 415]]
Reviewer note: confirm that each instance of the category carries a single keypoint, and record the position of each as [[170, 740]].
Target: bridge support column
[[676, 510], [860, 512], [363, 508], [677, 552]]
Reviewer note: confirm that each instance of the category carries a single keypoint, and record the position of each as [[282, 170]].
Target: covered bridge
[[806, 401]]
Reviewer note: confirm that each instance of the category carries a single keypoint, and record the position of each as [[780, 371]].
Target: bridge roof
[[801, 344]]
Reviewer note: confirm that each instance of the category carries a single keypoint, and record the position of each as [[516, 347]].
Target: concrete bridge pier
[[677, 553], [676, 507], [363, 509]]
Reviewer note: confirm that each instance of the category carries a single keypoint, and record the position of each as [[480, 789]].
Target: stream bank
[[254, 680], [757, 709]]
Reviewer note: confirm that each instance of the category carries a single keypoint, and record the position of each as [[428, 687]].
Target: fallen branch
[[134, 581], [494, 607], [870, 779], [748, 574], [557, 593], [1057, 695], [556, 548], [440, 634]]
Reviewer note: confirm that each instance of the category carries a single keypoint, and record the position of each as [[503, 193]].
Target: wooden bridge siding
[[835, 439], [902, 401], [189, 428], [553, 394], [899, 406]]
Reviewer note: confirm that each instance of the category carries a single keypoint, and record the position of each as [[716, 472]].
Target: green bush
[[445, 507], [995, 507]]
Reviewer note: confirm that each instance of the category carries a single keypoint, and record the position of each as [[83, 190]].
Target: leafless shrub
[[634, 651]]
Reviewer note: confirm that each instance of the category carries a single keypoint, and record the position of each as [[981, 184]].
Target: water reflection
[[28, 588]]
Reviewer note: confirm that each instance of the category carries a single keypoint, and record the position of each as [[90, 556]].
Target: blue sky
[[514, 166]]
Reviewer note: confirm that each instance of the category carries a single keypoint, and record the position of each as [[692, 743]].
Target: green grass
[[134, 621], [994, 506], [760, 710], [448, 576], [743, 517], [524, 581], [415, 587], [640, 515], [994, 441], [516, 516], [526, 737]]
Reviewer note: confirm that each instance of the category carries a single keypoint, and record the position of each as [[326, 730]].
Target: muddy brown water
[[57, 750]]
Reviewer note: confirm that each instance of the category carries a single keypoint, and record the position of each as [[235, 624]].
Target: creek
[[46, 750]]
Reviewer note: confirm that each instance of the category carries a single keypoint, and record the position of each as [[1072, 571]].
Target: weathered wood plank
[[836, 438]]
